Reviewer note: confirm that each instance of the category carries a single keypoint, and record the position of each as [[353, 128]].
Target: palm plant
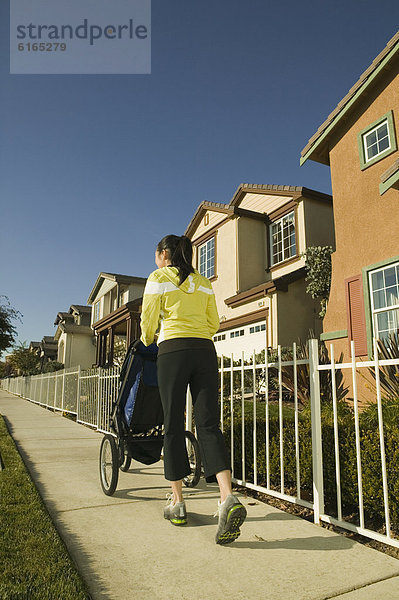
[[388, 348], [303, 376]]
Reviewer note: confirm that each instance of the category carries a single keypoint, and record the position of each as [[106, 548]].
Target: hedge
[[370, 457]]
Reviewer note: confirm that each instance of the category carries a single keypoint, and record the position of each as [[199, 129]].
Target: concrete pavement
[[125, 550]]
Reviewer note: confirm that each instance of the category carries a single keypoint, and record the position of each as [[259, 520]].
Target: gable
[[211, 218], [106, 285], [263, 203]]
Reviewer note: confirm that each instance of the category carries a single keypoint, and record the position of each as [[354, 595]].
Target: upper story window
[[97, 311], [206, 258], [377, 141], [384, 292], [283, 240], [123, 296]]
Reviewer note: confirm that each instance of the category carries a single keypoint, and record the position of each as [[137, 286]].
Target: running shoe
[[231, 515], [175, 513]]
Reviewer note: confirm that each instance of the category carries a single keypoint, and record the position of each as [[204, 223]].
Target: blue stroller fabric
[[142, 383]]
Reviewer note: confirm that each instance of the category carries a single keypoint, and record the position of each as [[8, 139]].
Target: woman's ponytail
[[180, 251]]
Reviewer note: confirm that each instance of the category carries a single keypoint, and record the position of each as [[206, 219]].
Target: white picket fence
[[89, 395]]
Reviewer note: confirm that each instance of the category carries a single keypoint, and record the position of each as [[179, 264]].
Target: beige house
[[252, 251], [47, 350], [359, 141], [76, 341], [115, 318]]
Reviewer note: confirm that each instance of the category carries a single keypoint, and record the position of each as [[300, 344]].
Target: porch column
[[128, 331], [110, 357], [103, 348], [98, 344]]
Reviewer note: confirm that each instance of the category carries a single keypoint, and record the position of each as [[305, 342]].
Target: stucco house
[[359, 141], [115, 319], [35, 348], [75, 338], [251, 249], [48, 350]]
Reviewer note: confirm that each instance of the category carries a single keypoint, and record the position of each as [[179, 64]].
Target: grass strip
[[34, 561]]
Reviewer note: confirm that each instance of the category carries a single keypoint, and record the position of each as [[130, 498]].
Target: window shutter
[[356, 314]]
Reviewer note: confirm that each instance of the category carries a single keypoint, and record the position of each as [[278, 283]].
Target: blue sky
[[95, 169]]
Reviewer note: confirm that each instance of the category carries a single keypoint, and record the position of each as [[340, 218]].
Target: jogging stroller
[[136, 422]]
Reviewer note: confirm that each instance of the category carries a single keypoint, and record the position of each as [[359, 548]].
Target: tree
[[7, 329], [23, 361], [318, 267]]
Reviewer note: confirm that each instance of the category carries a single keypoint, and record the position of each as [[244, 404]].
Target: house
[[48, 350], [252, 251], [115, 318], [75, 338], [35, 347], [359, 141]]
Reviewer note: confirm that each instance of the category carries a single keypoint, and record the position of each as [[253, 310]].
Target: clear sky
[[96, 169]]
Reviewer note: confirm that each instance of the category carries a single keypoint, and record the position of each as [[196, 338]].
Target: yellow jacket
[[186, 310]]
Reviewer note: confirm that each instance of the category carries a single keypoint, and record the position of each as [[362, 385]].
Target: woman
[[181, 303]]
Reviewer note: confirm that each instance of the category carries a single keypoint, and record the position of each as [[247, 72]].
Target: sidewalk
[[125, 550]]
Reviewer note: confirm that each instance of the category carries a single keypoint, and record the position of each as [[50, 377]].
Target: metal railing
[[271, 449], [87, 394]]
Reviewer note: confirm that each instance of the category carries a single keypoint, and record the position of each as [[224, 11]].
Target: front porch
[[115, 332]]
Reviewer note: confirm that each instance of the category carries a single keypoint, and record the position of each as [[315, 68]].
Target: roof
[[80, 308], [48, 339], [317, 147], [245, 188], [128, 279], [62, 316]]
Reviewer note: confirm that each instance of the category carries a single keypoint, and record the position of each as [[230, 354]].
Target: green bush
[[373, 501]]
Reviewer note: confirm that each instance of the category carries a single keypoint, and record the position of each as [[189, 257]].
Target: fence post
[[98, 399], [189, 410], [78, 396], [317, 453], [63, 390]]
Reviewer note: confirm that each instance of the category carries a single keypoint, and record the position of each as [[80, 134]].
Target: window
[[238, 333], [377, 141], [257, 328], [206, 258], [97, 311], [220, 337], [384, 292], [123, 296], [283, 243]]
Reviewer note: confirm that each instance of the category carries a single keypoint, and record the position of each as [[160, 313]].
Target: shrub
[[370, 458]]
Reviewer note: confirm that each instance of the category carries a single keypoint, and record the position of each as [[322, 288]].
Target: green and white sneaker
[[231, 515], [175, 513]]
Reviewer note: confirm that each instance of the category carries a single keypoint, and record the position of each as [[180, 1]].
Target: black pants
[[199, 369]]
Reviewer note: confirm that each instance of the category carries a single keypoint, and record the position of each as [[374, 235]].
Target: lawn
[[34, 561]]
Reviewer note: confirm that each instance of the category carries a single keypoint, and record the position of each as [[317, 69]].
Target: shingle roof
[[362, 82], [80, 308], [116, 277], [252, 187]]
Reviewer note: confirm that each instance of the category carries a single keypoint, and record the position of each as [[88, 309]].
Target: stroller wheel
[[109, 465], [194, 458], [125, 466]]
